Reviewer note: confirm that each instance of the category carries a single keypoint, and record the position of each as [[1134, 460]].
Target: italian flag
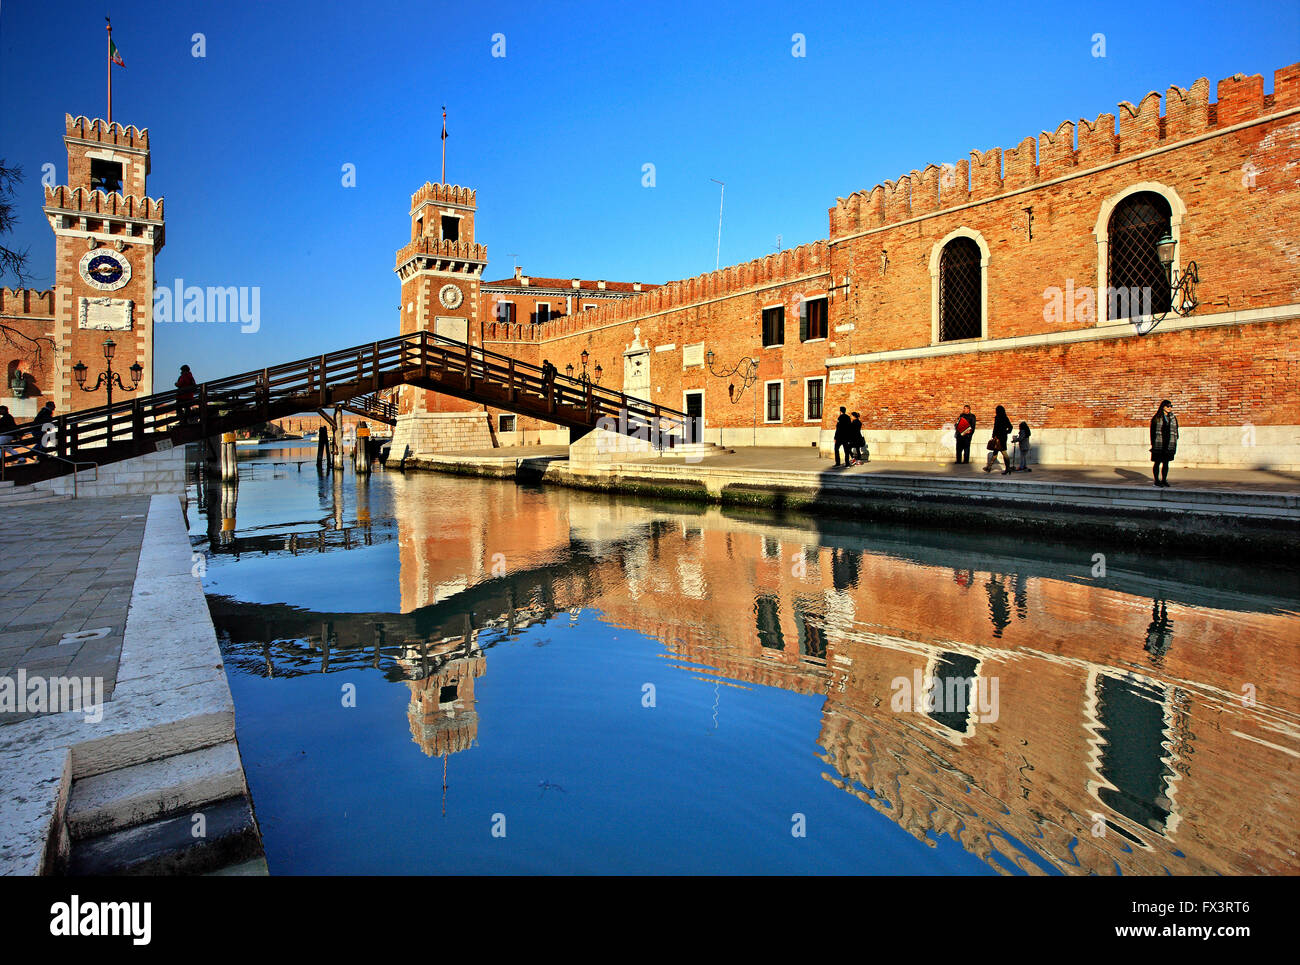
[[114, 55]]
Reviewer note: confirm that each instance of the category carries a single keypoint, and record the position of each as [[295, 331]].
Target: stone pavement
[[805, 459], [67, 568]]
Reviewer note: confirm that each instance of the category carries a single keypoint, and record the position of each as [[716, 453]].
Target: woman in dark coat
[[1164, 442], [1001, 430]]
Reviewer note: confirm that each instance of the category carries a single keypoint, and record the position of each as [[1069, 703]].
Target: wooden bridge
[[349, 378]]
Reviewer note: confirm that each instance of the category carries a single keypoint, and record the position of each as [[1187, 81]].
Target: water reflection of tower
[[441, 675]]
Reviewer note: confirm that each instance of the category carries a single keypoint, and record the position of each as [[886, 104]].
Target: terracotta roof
[[566, 285]]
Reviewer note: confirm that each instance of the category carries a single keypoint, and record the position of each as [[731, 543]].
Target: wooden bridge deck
[[350, 378]]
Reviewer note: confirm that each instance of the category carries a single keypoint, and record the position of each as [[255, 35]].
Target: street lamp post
[[107, 379]]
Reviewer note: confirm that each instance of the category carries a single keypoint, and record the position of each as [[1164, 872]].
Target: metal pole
[[717, 261], [110, 71]]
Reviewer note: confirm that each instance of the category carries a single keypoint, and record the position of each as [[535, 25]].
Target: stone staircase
[[11, 495]]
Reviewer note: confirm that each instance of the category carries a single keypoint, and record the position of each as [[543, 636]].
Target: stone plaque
[[841, 376], [106, 314], [692, 355]]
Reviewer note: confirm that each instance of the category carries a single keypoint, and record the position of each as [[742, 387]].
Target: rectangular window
[[588, 307], [543, 314], [450, 228], [767, 613], [773, 402], [505, 423], [506, 312], [773, 326], [813, 405], [812, 319]]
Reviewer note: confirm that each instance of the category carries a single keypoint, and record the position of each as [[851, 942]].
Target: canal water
[[436, 674]]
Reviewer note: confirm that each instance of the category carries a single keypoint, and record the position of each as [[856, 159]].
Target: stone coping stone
[[172, 698]]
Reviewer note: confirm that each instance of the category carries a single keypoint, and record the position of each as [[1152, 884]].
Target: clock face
[[450, 296], [105, 269]]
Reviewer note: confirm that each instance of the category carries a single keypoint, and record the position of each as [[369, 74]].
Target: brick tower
[[440, 271], [108, 232]]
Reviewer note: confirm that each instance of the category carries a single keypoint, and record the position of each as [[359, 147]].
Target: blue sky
[[250, 140]]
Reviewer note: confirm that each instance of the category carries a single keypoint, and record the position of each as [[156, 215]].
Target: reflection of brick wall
[[1032, 774]]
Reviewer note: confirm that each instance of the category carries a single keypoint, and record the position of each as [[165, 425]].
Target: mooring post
[[229, 467], [322, 446], [362, 453]]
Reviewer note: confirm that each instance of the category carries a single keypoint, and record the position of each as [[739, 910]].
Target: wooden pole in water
[[361, 456], [229, 467]]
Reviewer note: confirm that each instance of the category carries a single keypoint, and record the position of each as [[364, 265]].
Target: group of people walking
[[848, 435]]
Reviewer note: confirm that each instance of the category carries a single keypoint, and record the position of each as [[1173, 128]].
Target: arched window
[[960, 291], [1134, 273]]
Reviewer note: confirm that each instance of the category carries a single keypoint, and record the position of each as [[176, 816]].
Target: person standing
[[44, 432], [843, 436], [1022, 446], [998, 441], [1164, 442], [965, 427], [185, 393]]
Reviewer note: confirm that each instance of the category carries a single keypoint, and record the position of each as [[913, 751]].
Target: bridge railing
[[133, 426]]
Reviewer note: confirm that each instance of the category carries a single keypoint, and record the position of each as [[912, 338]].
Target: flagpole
[[110, 69], [444, 144]]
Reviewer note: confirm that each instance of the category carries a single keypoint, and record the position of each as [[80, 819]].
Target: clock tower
[[108, 231], [440, 270]]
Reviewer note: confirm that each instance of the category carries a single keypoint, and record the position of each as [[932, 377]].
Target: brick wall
[[1227, 169]]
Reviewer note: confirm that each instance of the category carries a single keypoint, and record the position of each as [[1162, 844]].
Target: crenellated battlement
[[27, 302], [1142, 127], [434, 248], [442, 194], [98, 129], [89, 201], [791, 264]]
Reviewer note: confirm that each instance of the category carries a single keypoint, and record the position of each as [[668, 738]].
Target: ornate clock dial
[[450, 296], [105, 269]]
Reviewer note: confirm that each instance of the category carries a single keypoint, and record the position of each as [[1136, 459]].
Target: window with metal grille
[[960, 299], [1137, 284], [505, 423], [774, 402], [816, 393], [773, 326]]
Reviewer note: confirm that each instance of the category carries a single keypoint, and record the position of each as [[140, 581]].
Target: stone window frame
[[936, 255], [780, 420], [806, 382], [1101, 232]]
